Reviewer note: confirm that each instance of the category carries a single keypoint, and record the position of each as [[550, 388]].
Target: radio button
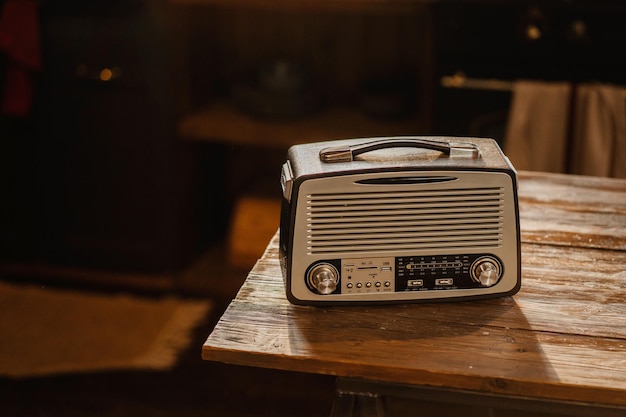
[[486, 271], [323, 278]]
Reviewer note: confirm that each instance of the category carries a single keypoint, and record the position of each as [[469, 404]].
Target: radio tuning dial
[[323, 278], [486, 271]]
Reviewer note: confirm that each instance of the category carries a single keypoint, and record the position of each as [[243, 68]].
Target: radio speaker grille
[[404, 220]]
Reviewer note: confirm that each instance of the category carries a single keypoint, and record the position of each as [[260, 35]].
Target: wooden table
[[561, 341]]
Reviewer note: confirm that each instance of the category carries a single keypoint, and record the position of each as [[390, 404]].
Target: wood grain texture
[[573, 210], [563, 336]]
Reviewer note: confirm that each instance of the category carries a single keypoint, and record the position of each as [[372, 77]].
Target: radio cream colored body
[[399, 223]]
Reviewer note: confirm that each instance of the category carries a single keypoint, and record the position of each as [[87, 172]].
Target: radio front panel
[[400, 236]]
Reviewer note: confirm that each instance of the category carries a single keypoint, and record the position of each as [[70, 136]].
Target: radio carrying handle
[[348, 152]]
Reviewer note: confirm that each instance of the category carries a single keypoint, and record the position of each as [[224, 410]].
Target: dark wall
[[96, 175]]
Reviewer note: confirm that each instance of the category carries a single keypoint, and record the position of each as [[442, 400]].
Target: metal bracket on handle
[[348, 152]]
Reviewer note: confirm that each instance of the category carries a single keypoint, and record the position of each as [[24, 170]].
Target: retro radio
[[399, 219]]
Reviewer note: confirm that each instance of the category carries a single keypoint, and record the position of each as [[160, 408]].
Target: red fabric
[[19, 41]]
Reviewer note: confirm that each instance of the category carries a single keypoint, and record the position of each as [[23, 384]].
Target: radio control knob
[[323, 278], [486, 272]]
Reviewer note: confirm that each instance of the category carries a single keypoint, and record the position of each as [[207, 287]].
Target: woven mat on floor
[[49, 331]]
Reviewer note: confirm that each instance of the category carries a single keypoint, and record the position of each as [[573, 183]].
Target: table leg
[[357, 404]]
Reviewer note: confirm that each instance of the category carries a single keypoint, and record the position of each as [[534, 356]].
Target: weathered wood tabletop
[[562, 337]]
